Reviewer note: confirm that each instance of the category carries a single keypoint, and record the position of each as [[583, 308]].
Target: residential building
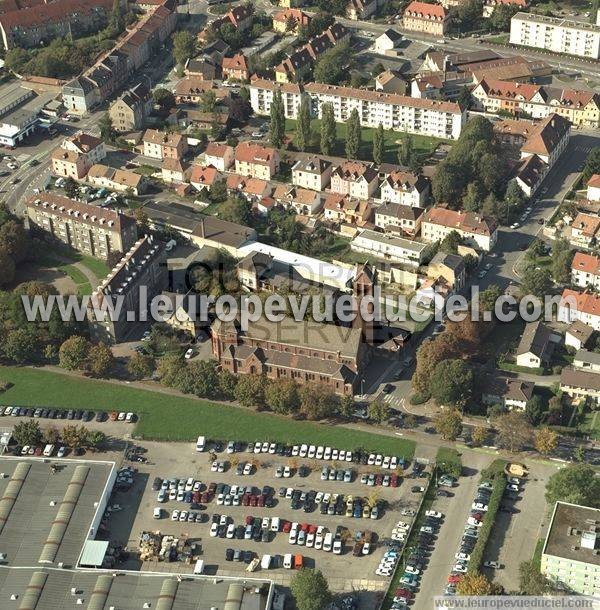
[[570, 558], [397, 112], [205, 68], [398, 218], [131, 109], [307, 353], [69, 164], [256, 160], [391, 81], [536, 346], [578, 335], [163, 145], [189, 90], [88, 228], [203, 178], [141, 271], [219, 156], [387, 41], [30, 26], [489, 6], [355, 179], [405, 188], [175, 170], [120, 180], [583, 306], [530, 174], [476, 230], [548, 139], [538, 101], [221, 234], [235, 67], [451, 267], [556, 34], [343, 209], [584, 230], [304, 202], [427, 18], [580, 385], [312, 173], [361, 9], [585, 270], [585, 360], [593, 188], [86, 144], [240, 16], [390, 248], [508, 393], [290, 20]]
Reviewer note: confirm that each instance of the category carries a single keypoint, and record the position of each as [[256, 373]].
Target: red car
[[286, 527], [394, 480], [246, 500], [378, 479], [205, 498], [454, 578], [304, 527], [249, 520], [260, 501], [312, 529], [405, 593], [253, 501], [212, 488], [113, 416]]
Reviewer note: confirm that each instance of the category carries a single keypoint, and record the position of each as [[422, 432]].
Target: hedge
[[499, 484]]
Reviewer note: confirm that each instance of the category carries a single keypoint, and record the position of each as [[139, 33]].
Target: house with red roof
[[583, 306], [431, 19], [256, 160], [235, 67], [585, 270], [477, 230], [593, 188]]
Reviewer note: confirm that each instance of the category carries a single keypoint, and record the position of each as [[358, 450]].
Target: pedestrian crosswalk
[[394, 401]]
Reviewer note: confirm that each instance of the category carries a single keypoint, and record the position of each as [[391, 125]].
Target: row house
[[256, 160], [391, 248], [585, 270], [302, 201], [354, 178], [163, 145], [312, 172], [361, 9], [120, 180], [175, 171], [345, 209], [396, 112], [399, 218], [290, 21], [69, 164], [538, 101], [405, 188], [219, 156], [583, 306], [130, 110], [426, 18], [476, 230]]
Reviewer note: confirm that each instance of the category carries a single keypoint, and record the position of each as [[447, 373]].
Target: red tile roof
[[237, 62], [217, 150], [51, 13], [587, 224], [203, 175], [249, 152], [434, 12], [586, 263], [464, 221], [547, 135], [584, 302], [594, 181]]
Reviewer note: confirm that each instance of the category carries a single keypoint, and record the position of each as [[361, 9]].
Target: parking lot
[[344, 572]]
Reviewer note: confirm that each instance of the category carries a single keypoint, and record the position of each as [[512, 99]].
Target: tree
[[448, 424], [142, 219], [546, 440], [74, 436], [235, 209], [378, 144], [479, 436], [203, 378], [73, 353], [310, 590], [405, 150], [592, 165], [579, 453], [346, 406], [227, 383], [474, 583], [208, 101], [531, 580], [536, 282], [184, 46], [450, 243], [116, 18], [107, 130], [303, 129], [500, 19], [464, 98], [333, 65], [353, 135], [317, 401], [71, 187], [100, 360], [327, 129], [20, 345], [7, 264], [514, 431], [163, 98], [535, 409], [95, 439], [379, 411], [28, 432], [470, 11], [575, 484], [473, 197], [169, 368], [52, 436], [250, 390], [448, 183], [277, 128], [281, 395], [452, 383], [562, 256], [140, 366]]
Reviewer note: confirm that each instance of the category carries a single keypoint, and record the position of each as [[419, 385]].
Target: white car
[[348, 456], [265, 447], [129, 418], [214, 528], [320, 452], [303, 450], [220, 499], [335, 454], [474, 522], [62, 451], [387, 460], [287, 472], [312, 451], [371, 460], [175, 516], [326, 453], [272, 448], [189, 353], [393, 462], [491, 564], [462, 556], [189, 484], [337, 547], [342, 455], [257, 448], [479, 506], [122, 416], [172, 494], [378, 460], [384, 571], [183, 515], [412, 570], [230, 447], [279, 472], [214, 466], [460, 567], [162, 496], [180, 495], [514, 225], [295, 451], [230, 530], [310, 540], [248, 469], [433, 513], [512, 487]]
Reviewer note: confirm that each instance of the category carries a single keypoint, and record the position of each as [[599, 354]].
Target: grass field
[[55, 257], [78, 278], [422, 145], [591, 424], [164, 417]]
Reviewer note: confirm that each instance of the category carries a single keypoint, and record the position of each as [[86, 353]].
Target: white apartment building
[[389, 247], [434, 118], [477, 231], [556, 35], [585, 270], [405, 188]]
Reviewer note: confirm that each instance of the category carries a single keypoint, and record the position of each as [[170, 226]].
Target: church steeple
[[365, 280]]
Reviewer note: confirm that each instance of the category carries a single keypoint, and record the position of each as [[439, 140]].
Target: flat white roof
[[93, 553]]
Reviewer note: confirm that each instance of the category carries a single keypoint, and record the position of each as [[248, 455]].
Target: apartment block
[[163, 145], [87, 228], [570, 556], [130, 110], [256, 161], [427, 18], [556, 35], [477, 230], [390, 248]]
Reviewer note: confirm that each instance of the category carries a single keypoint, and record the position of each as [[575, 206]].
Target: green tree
[[250, 390], [20, 345], [327, 129], [107, 131], [562, 257], [473, 197], [450, 243], [579, 453], [281, 396], [353, 132], [535, 409], [169, 368], [531, 580], [73, 353], [74, 436], [448, 182], [317, 401], [514, 432], [140, 366], [479, 436], [235, 209], [346, 407], [226, 384], [378, 144], [277, 128], [546, 440], [95, 439], [28, 432], [464, 98], [7, 264], [536, 282], [452, 383], [208, 101], [405, 150], [116, 17], [71, 188], [163, 98], [576, 484], [448, 424], [592, 165], [100, 360], [379, 411], [303, 128], [184, 46], [333, 65], [310, 590], [203, 378]]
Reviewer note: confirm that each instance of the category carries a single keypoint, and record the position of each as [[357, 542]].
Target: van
[[265, 562], [298, 562], [157, 513], [48, 450], [201, 443], [275, 523], [287, 561], [328, 542]]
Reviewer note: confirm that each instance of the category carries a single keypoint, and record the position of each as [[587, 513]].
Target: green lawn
[[423, 145], [54, 256], [79, 279], [164, 417], [591, 424]]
